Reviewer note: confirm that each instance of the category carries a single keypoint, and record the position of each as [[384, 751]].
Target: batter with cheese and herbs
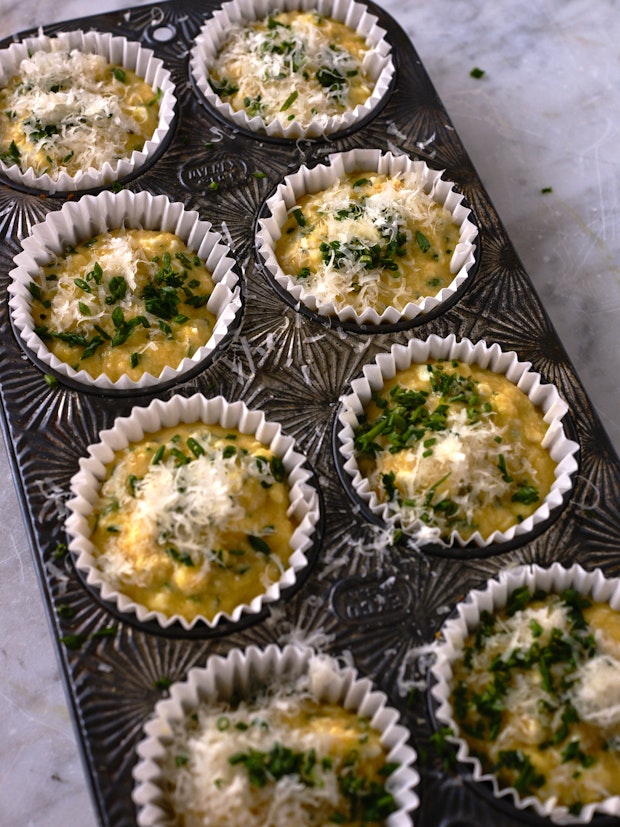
[[192, 520], [292, 65], [285, 760], [455, 447], [72, 111], [536, 695], [369, 240], [126, 302]]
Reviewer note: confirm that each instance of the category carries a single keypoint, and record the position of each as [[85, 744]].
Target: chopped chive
[[422, 241], [180, 457], [277, 469], [155, 100], [289, 101], [299, 217], [504, 470], [183, 558], [159, 455], [60, 551], [83, 285], [73, 641], [258, 544], [195, 447]]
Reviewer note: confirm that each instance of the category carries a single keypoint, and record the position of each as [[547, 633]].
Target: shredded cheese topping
[[451, 447], [291, 65], [369, 240], [189, 505], [194, 520], [536, 695], [285, 759], [72, 111], [118, 255]]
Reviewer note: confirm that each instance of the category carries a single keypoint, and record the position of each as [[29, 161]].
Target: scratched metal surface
[[381, 606]]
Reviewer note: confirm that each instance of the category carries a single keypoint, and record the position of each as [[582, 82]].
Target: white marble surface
[[546, 114]]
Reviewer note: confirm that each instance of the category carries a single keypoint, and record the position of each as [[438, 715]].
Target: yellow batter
[[456, 447], [66, 112], [193, 520], [292, 65], [126, 302], [536, 695], [369, 241]]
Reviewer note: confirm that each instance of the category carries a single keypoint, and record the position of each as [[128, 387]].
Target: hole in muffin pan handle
[[164, 34]]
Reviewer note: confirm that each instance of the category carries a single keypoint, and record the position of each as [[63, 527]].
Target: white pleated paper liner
[[304, 500], [466, 618], [77, 222], [116, 50], [238, 676], [377, 63], [311, 180], [400, 357]]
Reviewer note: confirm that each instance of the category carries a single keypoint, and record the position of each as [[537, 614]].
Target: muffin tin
[[382, 605]]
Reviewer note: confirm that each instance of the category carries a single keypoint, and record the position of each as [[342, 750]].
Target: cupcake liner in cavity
[[303, 497], [322, 176], [241, 675], [466, 619], [377, 62], [543, 396], [79, 221], [116, 50]]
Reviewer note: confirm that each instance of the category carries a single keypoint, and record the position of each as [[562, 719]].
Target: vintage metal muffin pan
[[383, 605]]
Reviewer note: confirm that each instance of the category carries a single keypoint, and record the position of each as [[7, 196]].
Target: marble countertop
[[544, 115]]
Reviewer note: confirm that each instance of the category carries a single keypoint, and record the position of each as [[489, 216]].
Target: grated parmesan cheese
[[369, 241], [117, 256], [194, 520], [292, 65], [280, 760], [72, 111], [538, 699], [597, 698]]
